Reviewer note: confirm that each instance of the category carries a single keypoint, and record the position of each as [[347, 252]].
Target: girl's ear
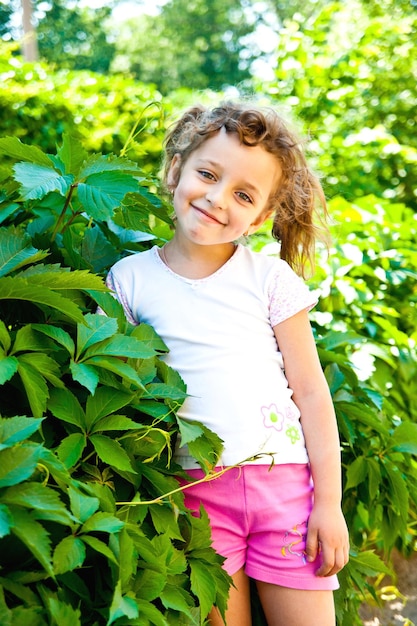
[[257, 223], [174, 172]]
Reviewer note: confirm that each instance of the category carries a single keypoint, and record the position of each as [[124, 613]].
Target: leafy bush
[[38, 105], [92, 524]]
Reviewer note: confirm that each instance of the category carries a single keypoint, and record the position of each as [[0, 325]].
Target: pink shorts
[[258, 518]]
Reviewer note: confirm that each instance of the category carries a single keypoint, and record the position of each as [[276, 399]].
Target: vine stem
[[209, 477], [64, 210]]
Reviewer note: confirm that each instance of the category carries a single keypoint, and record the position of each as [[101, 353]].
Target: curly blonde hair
[[298, 204]]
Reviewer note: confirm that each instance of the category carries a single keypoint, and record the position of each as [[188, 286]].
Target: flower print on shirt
[[273, 418]]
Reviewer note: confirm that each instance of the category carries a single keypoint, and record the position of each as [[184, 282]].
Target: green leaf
[[71, 153], [147, 334], [18, 464], [86, 375], [82, 506], [399, 496], [105, 402], [64, 405], [148, 611], [356, 472], [57, 334], [15, 288], [120, 346], [37, 181], [95, 329], [5, 339], [97, 251], [63, 614], [16, 251], [16, 429], [111, 452], [102, 522], [98, 164], [202, 585], [8, 368], [68, 554], [71, 448], [6, 521], [122, 606], [99, 546], [118, 367], [34, 536], [14, 148], [173, 597], [35, 387], [149, 583], [162, 390], [62, 279], [115, 422], [36, 496], [44, 365], [404, 438], [103, 192]]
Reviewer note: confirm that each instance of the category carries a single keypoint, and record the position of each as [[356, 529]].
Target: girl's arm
[[327, 532]]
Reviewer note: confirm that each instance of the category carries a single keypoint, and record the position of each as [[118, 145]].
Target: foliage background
[[346, 72]]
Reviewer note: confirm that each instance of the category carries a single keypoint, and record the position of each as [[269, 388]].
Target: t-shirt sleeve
[[288, 294], [113, 284]]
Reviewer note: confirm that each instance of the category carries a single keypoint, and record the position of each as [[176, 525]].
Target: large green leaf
[[71, 448], [16, 288], [98, 164], [63, 614], [57, 334], [86, 375], [202, 585], [68, 554], [38, 180], [112, 453], [122, 606], [99, 546], [64, 405], [45, 365], [35, 386], [34, 536], [6, 521], [404, 438], [18, 464], [103, 192], [16, 429], [16, 251], [95, 329], [102, 522], [121, 346], [72, 153], [14, 148], [82, 506], [36, 496], [8, 368], [63, 279], [116, 366], [105, 402]]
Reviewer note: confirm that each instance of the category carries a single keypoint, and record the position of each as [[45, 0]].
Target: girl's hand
[[327, 537]]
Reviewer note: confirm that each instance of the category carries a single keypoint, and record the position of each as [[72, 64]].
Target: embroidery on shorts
[[292, 539]]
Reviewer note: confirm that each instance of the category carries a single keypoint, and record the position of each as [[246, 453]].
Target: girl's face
[[222, 190]]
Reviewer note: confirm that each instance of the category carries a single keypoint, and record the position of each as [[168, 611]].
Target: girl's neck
[[195, 261]]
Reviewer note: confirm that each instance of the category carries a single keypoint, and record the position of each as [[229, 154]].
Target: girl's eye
[[244, 196], [206, 174]]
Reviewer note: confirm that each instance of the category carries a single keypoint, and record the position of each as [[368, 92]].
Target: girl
[[236, 324]]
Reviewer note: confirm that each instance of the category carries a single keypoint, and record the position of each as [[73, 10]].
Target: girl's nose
[[216, 198]]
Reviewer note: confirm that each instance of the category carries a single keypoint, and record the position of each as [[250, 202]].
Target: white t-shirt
[[219, 331]]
